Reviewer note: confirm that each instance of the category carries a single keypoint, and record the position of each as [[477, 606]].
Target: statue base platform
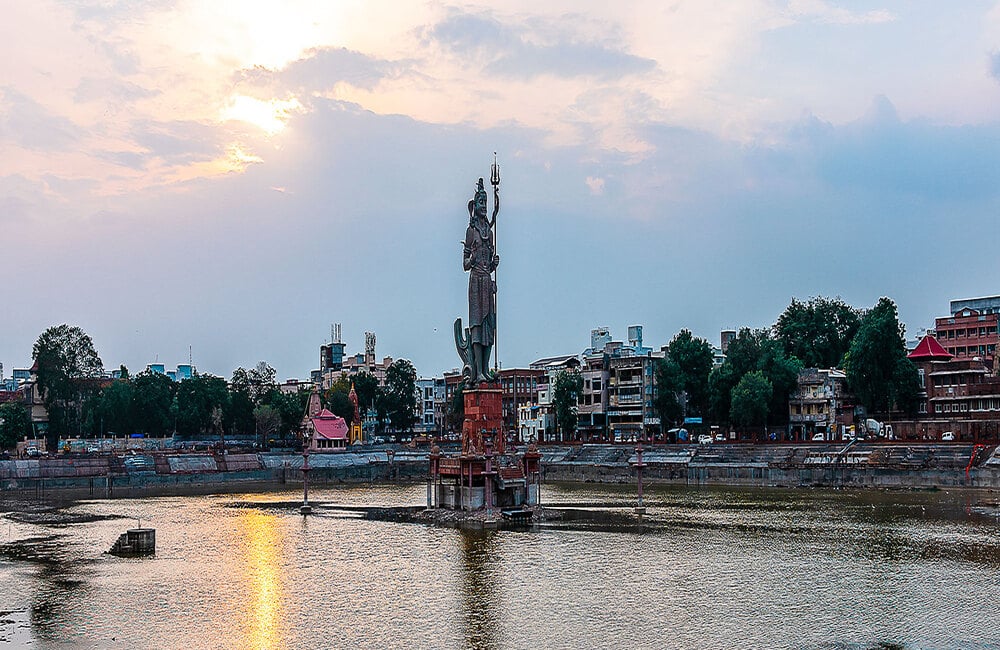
[[485, 475], [483, 424]]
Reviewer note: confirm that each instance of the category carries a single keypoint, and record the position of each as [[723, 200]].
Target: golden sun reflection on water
[[262, 537]]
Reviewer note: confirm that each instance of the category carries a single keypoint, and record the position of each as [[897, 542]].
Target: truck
[[877, 429]]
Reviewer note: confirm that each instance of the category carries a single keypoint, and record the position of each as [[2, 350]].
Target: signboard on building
[[692, 420], [649, 420]]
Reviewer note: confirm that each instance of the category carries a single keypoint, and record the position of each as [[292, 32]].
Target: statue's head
[[479, 203]]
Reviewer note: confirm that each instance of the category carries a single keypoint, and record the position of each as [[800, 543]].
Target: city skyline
[[235, 179]]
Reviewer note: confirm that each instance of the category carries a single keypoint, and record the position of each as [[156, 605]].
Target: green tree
[[339, 403], [401, 395], [15, 424], [878, 372], [367, 388], [240, 406], [818, 332], [291, 407], [721, 382], [248, 390], [152, 397], [342, 384], [754, 350], [783, 373], [689, 364], [750, 400], [669, 386], [565, 397], [197, 400], [65, 357], [268, 423], [115, 408], [743, 356]]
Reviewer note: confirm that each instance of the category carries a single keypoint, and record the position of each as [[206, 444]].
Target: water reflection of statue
[[480, 586], [479, 258]]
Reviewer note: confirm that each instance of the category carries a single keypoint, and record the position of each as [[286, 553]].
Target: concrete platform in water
[[135, 542]]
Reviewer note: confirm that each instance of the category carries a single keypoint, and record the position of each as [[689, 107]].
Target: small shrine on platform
[[486, 475], [321, 429]]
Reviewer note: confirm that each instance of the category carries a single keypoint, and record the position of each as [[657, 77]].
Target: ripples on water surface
[[714, 568]]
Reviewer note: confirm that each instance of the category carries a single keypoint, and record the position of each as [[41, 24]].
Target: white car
[[819, 437], [704, 439], [948, 436]]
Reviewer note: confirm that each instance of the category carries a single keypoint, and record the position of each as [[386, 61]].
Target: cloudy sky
[[233, 177]]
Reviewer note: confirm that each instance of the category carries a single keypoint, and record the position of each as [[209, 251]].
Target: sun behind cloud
[[270, 116]]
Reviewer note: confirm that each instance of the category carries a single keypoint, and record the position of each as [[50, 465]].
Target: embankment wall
[[764, 476], [868, 465]]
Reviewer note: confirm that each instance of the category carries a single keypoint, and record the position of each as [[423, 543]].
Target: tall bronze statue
[[479, 258]]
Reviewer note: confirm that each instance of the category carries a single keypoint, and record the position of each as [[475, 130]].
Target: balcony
[[815, 418]]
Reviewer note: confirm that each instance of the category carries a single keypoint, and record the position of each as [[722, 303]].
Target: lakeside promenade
[[861, 465]]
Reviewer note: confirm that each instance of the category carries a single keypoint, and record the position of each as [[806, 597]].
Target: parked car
[[719, 437], [32, 452], [948, 436], [93, 449], [704, 439], [819, 437]]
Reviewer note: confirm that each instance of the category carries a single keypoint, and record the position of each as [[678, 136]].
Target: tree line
[[752, 386], [82, 402]]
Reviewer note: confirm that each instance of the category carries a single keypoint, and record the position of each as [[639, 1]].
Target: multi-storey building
[[616, 403], [424, 405], [519, 388], [971, 329], [962, 387], [592, 405], [820, 404], [358, 363], [440, 406], [333, 364], [293, 386], [959, 395], [534, 420], [631, 389], [542, 420]]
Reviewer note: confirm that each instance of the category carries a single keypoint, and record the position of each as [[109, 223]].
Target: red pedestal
[[483, 420]]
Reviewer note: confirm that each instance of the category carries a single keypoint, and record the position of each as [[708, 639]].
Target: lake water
[[711, 568]]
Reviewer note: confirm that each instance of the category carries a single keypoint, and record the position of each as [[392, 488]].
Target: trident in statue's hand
[[495, 181]]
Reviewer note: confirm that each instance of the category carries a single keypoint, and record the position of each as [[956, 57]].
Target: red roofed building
[[326, 432], [321, 429], [959, 395]]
